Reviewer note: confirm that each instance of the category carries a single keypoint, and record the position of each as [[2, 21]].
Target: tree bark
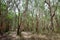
[[51, 15], [37, 24], [19, 23], [25, 12]]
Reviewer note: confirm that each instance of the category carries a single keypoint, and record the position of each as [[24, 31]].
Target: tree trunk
[[1, 18], [24, 13], [37, 24]]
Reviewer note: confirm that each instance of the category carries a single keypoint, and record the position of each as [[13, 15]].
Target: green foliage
[[3, 6], [10, 15], [36, 8]]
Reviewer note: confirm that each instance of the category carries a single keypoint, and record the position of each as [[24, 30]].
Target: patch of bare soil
[[11, 36], [30, 36]]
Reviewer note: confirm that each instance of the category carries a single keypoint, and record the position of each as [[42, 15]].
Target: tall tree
[[19, 23], [51, 14], [25, 12]]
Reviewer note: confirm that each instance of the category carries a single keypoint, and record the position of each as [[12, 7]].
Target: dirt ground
[[30, 36]]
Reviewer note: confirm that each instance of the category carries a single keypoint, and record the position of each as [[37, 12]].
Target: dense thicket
[[36, 16]]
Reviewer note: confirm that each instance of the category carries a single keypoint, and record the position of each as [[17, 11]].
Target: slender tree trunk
[[25, 12], [32, 21], [7, 22], [18, 28], [19, 32], [51, 14], [37, 23], [1, 23]]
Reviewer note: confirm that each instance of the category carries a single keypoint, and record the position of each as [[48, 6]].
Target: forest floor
[[30, 36]]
